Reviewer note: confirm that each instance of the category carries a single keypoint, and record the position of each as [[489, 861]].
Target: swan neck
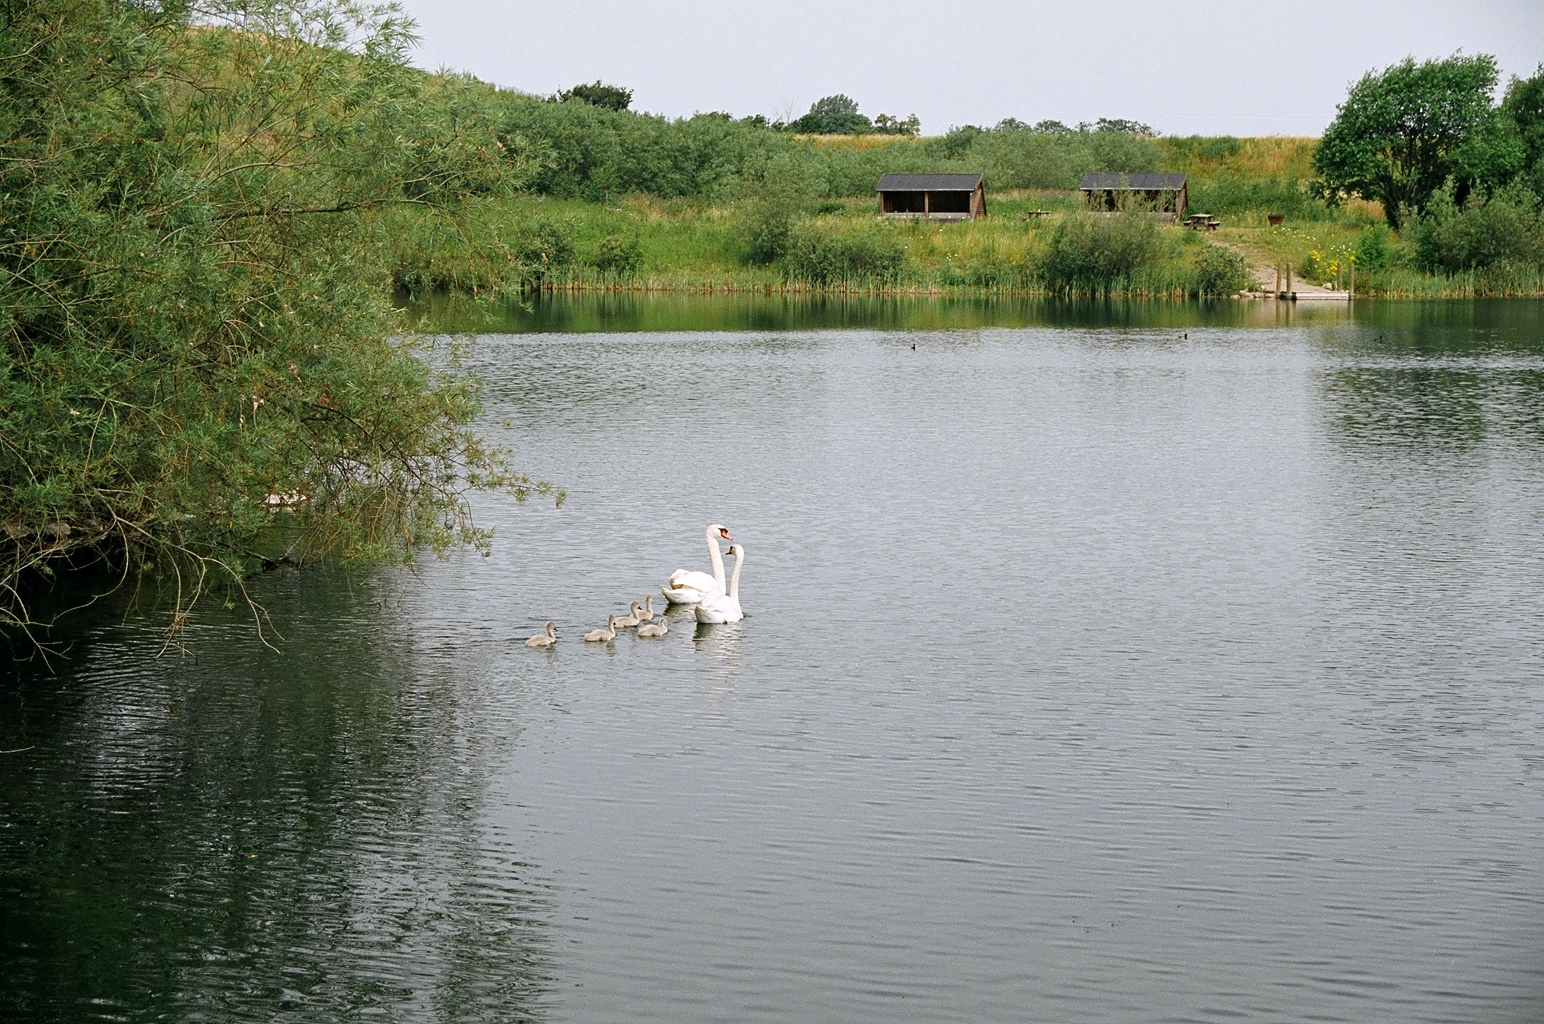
[[716, 558], [734, 584]]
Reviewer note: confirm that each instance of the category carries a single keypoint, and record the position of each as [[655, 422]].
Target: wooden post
[[1353, 280], [927, 204], [1289, 280], [1278, 281]]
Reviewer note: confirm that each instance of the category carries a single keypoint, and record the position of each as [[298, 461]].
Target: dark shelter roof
[[928, 183], [1133, 182]]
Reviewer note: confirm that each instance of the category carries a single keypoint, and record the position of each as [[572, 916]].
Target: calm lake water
[[1090, 672]]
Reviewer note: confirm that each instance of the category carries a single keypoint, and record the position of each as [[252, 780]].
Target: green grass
[[692, 245]]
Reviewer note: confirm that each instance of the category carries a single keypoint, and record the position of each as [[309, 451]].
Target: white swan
[[659, 628], [546, 639], [690, 586], [600, 636], [725, 607]]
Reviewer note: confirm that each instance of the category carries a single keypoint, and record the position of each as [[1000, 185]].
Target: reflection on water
[[1090, 672], [630, 312], [247, 837]]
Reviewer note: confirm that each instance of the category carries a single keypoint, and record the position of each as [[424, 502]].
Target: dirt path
[[1262, 269]]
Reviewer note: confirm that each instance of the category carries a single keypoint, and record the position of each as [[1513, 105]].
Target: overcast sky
[[1193, 66]]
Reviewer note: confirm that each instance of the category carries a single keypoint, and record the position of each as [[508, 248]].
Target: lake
[[1150, 662]]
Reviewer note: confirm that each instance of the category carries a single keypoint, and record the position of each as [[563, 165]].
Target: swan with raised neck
[[725, 607], [690, 586]]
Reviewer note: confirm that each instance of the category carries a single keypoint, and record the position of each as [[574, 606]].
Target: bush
[[1220, 271], [820, 257], [1372, 249], [1488, 231], [768, 233], [1236, 194], [542, 249], [598, 94], [1096, 252], [618, 254]]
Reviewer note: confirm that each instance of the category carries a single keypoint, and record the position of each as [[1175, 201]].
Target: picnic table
[[1202, 222]]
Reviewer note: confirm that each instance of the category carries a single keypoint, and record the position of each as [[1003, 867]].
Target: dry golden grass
[[1269, 156], [853, 141]]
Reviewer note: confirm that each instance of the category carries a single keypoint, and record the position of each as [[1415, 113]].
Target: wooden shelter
[[1135, 193], [935, 196]]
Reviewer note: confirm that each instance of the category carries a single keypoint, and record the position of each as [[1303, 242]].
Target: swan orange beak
[[725, 534]]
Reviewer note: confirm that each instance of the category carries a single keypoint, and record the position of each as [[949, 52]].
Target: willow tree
[[199, 367]]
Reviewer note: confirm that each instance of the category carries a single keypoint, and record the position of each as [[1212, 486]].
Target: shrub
[[958, 141], [1312, 267], [1096, 252], [768, 233], [618, 254], [541, 249], [598, 94], [1372, 249], [1235, 194], [1220, 271], [821, 257], [1502, 228]]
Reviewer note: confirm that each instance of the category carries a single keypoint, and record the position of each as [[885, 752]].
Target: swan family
[[703, 592]]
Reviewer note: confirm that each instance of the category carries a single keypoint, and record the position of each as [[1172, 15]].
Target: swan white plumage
[[690, 586], [546, 639], [659, 628], [600, 636], [725, 607]]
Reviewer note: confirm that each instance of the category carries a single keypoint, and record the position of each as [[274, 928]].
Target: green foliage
[[618, 254], [1208, 148], [910, 126], [1122, 126], [780, 188], [1097, 253], [1487, 231], [1524, 108], [1220, 271], [198, 364], [1404, 131], [958, 141], [542, 250], [1236, 194], [581, 151], [833, 115], [598, 94], [818, 255], [1373, 251], [1017, 158]]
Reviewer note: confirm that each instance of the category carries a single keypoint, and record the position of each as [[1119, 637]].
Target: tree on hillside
[[598, 94], [1404, 131], [833, 115], [1524, 108]]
